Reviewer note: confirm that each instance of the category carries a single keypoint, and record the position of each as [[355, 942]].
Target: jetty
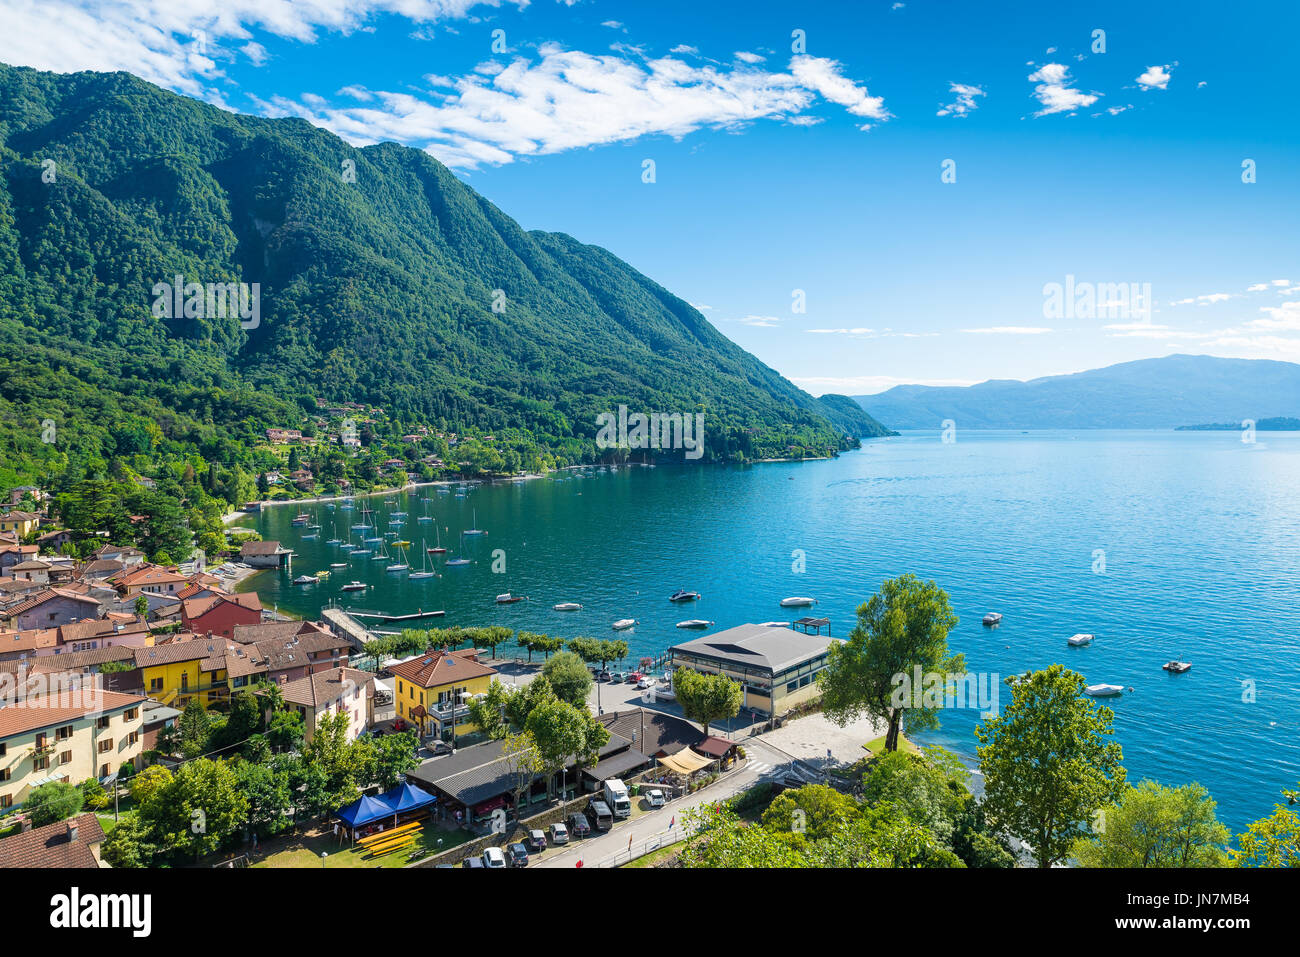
[[389, 617], [347, 626]]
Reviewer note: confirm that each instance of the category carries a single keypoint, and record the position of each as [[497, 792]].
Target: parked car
[[603, 676], [655, 797], [635, 676], [517, 854], [473, 862], [646, 682], [616, 677], [601, 817], [494, 857], [537, 839], [559, 834], [578, 825]]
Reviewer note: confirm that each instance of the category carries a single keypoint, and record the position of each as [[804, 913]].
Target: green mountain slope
[[379, 290]]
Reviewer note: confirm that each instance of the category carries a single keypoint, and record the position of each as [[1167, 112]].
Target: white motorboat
[[682, 595], [508, 599], [567, 606], [1079, 640], [694, 623], [776, 624], [624, 623], [1104, 691], [797, 602], [354, 586], [338, 564], [992, 618], [457, 562], [305, 580]]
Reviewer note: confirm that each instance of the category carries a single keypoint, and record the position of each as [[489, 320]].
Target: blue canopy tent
[[363, 811], [406, 797]]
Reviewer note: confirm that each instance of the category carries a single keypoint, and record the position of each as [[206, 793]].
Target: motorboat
[[457, 562], [508, 599], [694, 623], [354, 586], [682, 595], [1104, 691], [1079, 640], [567, 606], [1176, 667], [992, 618], [305, 580], [776, 624], [797, 602], [338, 564], [624, 623]]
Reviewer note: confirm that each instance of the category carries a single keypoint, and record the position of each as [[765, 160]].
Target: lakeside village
[[153, 715]]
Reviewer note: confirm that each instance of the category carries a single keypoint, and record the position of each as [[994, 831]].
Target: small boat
[[338, 564], [776, 624], [323, 573], [694, 623], [567, 606], [305, 580], [361, 551], [1104, 691], [1176, 667], [360, 527], [354, 586], [371, 541], [426, 571], [424, 518], [1079, 640], [992, 618], [401, 543], [624, 623], [797, 602], [508, 599], [334, 541], [457, 562], [309, 535], [437, 538], [381, 557], [302, 518], [474, 531], [683, 595]]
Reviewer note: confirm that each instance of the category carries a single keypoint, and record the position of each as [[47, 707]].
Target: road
[[761, 762]]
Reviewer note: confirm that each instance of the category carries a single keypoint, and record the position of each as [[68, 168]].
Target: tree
[[522, 761], [270, 802], [142, 606], [193, 728], [55, 801], [706, 698], [489, 711], [130, 844], [813, 812], [200, 810], [569, 678], [343, 765], [96, 798], [388, 757], [285, 731], [491, 637], [534, 642], [904, 626], [149, 782], [521, 703], [1154, 826], [1048, 763], [1273, 841]]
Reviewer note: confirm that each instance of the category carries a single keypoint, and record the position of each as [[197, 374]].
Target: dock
[[348, 627], [387, 617]]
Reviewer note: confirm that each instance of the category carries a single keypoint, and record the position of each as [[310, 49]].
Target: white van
[[616, 797]]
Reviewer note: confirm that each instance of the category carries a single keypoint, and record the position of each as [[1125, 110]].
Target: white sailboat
[[401, 565], [425, 571], [475, 530]]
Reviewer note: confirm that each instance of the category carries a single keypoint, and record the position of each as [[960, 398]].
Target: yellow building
[[70, 736], [431, 690], [176, 672], [20, 523]]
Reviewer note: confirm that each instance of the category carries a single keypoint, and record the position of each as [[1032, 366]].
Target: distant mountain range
[[1145, 394], [1277, 424]]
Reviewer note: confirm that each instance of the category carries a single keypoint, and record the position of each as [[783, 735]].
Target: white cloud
[[615, 25], [965, 101], [744, 56], [1155, 78], [156, 39], [568, 99], [683, 48], [1054, 93], [1285, 317], [761, 322], [1116, 110], [856, 331], [1011, 330]]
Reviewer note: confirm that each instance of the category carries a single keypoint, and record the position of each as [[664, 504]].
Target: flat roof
[[758, 646]]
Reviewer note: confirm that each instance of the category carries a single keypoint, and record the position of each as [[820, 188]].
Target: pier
[[387, 617], [347, 626]]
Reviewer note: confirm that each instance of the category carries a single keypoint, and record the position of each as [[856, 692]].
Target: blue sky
[[816, 168]]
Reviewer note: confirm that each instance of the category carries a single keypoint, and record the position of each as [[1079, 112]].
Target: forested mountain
[[1145, 394], [382, 280]]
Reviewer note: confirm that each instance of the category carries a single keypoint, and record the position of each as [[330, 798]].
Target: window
[[4, 774], [130, 714], [4, 748], [103, 770], [106, 745], [101, 722], [155, 684], [40, 764], [6, 800], [64, 733], [133, 737], [65, 757]]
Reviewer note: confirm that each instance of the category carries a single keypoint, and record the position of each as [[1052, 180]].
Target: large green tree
[[1154, 826], [55, 801], [1049, 763], [902, 628], [706, 698], [569, 678]]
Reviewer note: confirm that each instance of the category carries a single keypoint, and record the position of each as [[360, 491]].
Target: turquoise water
[[1200, 532]]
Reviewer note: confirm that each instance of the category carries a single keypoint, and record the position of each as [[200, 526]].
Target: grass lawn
[[877, 746], [306, 851], [657, 857]]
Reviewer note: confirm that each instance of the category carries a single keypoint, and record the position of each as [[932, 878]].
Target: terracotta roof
[[51, 846], [260, 548], [31, 565], [441, 668], [71, 660], [32, 714], [17, 516], [194, 607], [324, 687], [251, 634], [106, 627], [148, 575], [196, 649]]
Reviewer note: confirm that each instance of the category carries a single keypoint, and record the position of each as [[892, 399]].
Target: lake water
[[1162, 544]]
